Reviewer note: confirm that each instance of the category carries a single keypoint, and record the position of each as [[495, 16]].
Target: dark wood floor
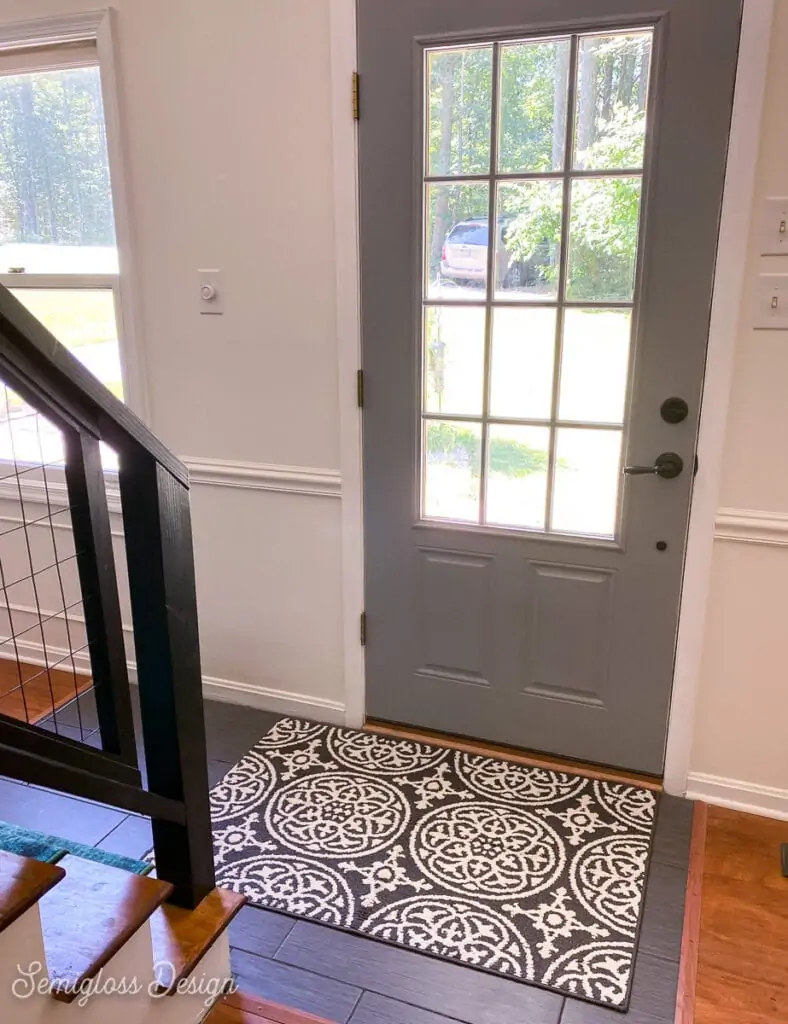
[[29, 693], [350, 979], [743, 950]]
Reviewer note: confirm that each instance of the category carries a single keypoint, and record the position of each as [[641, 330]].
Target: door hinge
[[360, 388], [363, 629], [356, 108]]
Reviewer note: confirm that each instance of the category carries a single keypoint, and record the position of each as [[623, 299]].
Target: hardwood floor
[[742, 975], [245, 1009], [39, 692]]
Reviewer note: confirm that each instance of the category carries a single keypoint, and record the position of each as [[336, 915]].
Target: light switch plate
[[774, 227], [771, 302], [210, 294]]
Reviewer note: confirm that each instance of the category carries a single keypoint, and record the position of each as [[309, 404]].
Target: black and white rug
[[530, 873]]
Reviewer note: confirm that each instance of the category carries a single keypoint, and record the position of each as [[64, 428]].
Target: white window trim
[[99, 27]]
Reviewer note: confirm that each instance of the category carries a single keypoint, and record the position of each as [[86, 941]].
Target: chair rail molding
[[752, 526], [255, 476], [258, 476]]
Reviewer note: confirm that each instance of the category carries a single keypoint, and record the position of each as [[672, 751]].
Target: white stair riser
[[190, 1007], [21, 944]]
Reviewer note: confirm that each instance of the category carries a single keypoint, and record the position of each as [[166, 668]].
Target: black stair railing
[[154, 496]]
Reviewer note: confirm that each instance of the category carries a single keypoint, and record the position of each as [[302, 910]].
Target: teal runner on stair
[[26, 842]]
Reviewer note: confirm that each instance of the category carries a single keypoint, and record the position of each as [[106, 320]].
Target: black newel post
[[157, 525]]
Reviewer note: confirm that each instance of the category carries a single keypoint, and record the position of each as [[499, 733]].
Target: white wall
[[226, 113], [740, 753]]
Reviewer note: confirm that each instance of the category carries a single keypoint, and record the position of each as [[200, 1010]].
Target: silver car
[[464, 255]]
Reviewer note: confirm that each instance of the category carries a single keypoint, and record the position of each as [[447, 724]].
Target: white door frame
[[723, 332]]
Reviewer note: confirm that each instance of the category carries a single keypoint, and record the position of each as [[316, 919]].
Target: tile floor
[[350, 979]]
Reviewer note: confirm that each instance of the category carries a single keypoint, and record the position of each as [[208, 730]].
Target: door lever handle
[[668, 465]]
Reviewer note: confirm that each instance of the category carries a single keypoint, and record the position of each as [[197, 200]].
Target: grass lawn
[[75, 316]]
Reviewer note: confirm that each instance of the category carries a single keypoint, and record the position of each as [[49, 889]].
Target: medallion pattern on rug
[[534, 874]]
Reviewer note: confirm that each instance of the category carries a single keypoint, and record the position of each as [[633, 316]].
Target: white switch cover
[[774, 227], [210, 291], [771, 302]]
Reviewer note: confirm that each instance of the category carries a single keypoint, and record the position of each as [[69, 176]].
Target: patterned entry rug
[[530, 873]]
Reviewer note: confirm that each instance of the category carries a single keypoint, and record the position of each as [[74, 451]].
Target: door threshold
[[532, 758]]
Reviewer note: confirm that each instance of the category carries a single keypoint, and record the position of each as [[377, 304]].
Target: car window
[[469, 234]]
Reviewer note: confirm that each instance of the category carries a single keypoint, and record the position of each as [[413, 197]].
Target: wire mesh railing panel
[[44, 649]]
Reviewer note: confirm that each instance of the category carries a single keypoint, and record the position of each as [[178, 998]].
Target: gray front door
[[541, 183]]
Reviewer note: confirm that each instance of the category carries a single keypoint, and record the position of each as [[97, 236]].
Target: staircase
[[81, 940]]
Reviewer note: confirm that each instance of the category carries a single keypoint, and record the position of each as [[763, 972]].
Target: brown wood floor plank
[[531, 758], [183, 937], [240, 1008], [38, 692], [90, 915], [743, 949], [690, 937], [22, 884]]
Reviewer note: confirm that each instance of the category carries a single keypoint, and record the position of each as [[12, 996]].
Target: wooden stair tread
[[240, 1008], [182, 937], [88, 917], [22, 884]]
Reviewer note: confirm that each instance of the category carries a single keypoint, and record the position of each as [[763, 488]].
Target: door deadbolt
[[674, 410], [668, 465]]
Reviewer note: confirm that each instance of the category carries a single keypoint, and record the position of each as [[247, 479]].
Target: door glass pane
[[587, 474], [454, 359], [460, 108], [55, 199], [456, 241], [517, 459], [612, 93], [533, 99], [523, 353], [491, 357], [603, 239], [529, 239], [594, 364], [452, 469]]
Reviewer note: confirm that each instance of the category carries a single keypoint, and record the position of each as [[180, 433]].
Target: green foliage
[[533, 86], [459, 124], [609, 131], [604, 216], [54, 175], [457, 445]]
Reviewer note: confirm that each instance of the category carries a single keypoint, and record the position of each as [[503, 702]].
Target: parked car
[[464, 256]]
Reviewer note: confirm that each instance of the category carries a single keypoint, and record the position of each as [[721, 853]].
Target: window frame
[[71, 41]]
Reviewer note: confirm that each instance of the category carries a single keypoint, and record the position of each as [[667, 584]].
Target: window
[[58, 252], [526, 340]]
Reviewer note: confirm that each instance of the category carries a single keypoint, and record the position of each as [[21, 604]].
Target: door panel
[[455, 590], [573, 601], [520, 588]]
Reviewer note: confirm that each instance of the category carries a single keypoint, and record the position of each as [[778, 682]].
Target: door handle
[[668, 465]]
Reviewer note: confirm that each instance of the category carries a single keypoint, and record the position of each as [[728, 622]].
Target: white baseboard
[[230, 691], [269, 699], [739, 796]]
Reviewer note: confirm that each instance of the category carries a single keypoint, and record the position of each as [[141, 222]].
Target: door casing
[[728, 284]]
